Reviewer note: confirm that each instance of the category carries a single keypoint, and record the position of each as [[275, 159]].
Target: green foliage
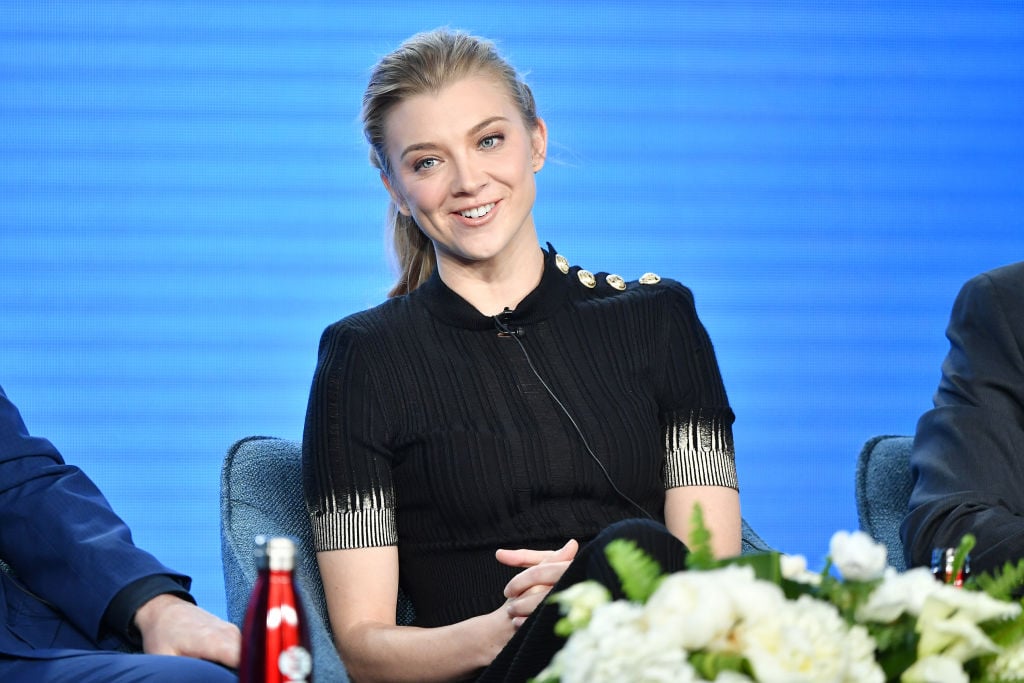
[[1008, 632], [700, 556], [966, 545], [1001, 584], [709, 664], [564, 628], [639, 573], [896, 646], [767, 566]]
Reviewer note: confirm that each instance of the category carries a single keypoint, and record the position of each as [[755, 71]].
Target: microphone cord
[[515, 333]]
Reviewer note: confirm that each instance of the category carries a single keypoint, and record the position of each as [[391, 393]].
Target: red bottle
[[942, 567], [275, 635]]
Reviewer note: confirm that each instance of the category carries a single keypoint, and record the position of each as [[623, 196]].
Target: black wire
[[514, 334]]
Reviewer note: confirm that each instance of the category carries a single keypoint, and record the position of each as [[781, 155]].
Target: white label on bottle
[[295, 663]]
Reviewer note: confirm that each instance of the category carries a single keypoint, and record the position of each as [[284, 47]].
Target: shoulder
[[369, 338], [647, 290], [1009, 279], [996, 291], [377, 322]]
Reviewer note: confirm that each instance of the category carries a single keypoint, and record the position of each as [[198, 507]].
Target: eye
[[492, 141], [425, 164]]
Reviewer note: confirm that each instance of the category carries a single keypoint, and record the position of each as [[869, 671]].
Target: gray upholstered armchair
[[261, 493], [883, 485]]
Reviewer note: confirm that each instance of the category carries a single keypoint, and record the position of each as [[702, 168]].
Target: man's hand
[[172, 626], [529, 587]]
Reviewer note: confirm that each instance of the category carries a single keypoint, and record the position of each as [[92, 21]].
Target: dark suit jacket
[[69, 552], [968, 456]]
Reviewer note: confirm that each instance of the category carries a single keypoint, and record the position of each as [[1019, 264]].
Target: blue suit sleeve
[[59, 534]]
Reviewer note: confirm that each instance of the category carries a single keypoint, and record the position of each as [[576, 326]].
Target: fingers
[[545, 575], [527, 558], [519, 609], [222, 644], [521, 557], [171, 626], [567, 551]]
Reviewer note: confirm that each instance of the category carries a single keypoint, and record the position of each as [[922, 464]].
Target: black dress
[[450, 433]]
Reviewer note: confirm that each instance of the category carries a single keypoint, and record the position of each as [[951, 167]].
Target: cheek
[[424, 197]]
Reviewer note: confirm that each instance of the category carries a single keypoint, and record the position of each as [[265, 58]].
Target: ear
[[403, 208], [539, 143]]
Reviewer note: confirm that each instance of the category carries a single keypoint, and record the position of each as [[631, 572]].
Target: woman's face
[[462, 164]]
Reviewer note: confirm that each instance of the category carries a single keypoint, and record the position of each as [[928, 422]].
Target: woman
[[500, 399]]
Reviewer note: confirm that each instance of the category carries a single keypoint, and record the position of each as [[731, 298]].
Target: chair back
[[883, 486], [261, 493]]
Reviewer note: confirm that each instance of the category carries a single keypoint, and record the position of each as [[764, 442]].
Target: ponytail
[[414, 252]]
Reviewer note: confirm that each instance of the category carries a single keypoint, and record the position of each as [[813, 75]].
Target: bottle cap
[[276, 553]]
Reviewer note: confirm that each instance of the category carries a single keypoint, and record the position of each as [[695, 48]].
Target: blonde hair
[[427, 63]]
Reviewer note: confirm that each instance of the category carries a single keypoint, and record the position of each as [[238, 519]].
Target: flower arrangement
[[765, 618]]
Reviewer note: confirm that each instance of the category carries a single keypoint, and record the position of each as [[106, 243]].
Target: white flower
[[956, 638], [861, 664], [728, 617], [807, 641], [935, 669], [794, 568], [857, 556], [577, 602], [898, 594], [949, 623], [1009, 665], [732, 677], [696, 610], [973, 605], [950, 634], [616, 646]]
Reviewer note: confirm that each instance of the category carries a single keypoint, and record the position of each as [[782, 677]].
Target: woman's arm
[[361, 586], [721, 508]]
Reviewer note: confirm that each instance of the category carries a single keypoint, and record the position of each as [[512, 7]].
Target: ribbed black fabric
[[427, 428]]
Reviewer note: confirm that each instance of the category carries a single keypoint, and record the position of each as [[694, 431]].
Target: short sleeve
[[346, 465], [695, 415]]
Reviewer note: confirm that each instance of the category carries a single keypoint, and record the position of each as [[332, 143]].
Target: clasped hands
[[542, 570]]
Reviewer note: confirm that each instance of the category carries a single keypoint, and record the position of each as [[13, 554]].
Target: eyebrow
[[417, 146]]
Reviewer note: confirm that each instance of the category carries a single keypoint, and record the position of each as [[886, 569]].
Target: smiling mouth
[[477, 212]]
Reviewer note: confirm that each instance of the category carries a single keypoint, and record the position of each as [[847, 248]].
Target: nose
[[469, 177]]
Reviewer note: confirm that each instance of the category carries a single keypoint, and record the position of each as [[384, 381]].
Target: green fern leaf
[[639, 573], [1001, 584], [700, 556]]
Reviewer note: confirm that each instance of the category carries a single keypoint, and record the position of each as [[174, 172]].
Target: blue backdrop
[[185, 203]]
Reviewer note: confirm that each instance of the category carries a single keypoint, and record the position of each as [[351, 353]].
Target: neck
[[493, 286]]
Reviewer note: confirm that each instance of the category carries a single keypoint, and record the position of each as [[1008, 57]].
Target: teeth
[[478, 212]]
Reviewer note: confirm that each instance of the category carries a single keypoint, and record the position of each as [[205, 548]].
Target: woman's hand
[[543, 569]]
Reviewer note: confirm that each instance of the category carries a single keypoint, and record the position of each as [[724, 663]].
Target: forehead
[[448, 113]]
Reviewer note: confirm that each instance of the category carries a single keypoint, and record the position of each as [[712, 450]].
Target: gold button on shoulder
[[650, 279], [616, 282], [587, 278], [562, 263]]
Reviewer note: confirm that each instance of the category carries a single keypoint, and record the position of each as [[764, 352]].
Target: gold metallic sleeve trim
[[699, 451], [367, 528]]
